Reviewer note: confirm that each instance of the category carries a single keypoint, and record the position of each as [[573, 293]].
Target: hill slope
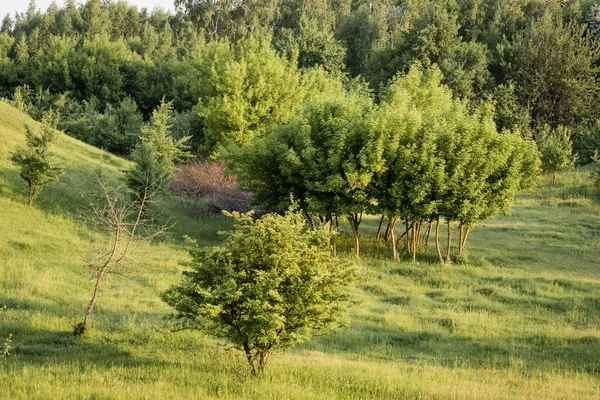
[[530, 329]]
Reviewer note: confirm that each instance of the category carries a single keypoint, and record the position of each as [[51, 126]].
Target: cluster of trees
[[418, 156], [234, 70]]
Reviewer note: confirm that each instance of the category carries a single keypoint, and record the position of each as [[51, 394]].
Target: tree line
[[234, 70]]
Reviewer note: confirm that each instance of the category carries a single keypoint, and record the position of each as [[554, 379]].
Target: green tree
[[156, 154], [36, 161], [271, 285], [556, 149], [553, 67], [318, 158], [245, 91]]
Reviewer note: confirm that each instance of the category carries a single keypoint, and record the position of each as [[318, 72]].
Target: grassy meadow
[[520, 319]]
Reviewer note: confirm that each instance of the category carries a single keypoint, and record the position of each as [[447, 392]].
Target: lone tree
[[36, 160], [126, 227], [271, 285]]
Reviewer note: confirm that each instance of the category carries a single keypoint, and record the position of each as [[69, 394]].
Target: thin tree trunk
[[427, 233], [415, 241], [309, 219], [467, 230], [353, 219], [99, 279], [393, 237], [388, 230], [437, 240], [94, 297], [449, 241], [460, 238], [250, 358], [378, 236]]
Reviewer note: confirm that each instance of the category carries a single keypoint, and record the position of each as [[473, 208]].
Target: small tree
[[156, 154], [126, 226], [271, 285], [36, 161], [556, 150]]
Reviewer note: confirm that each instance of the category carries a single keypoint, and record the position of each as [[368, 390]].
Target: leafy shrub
[[271, 285]]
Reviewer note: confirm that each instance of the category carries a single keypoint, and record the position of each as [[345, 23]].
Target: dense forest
[[234, 70]]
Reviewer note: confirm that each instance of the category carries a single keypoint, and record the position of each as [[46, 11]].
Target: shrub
[[207, 180], [271, 285]]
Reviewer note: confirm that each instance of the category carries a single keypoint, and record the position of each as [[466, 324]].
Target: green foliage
[[552, 65], [155, 155], [148, 174], [586, 142], [158, 137], [442, 160], [246, 90], [36, 161], [271, 285], [556, 149]]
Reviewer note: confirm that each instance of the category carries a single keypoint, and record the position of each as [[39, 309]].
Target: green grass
[[521, 320]]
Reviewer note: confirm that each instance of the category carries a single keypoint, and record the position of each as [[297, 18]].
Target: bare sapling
[[127, 225]]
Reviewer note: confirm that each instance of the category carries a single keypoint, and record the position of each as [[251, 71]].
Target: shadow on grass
[[47, 347], [443, 348]]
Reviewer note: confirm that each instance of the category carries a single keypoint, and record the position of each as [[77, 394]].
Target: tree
[[245, 91], [271, 285], [442, 160], [556, 149], [156, 154], [553, 67], [126, 227], [36, 161], [318, 158]]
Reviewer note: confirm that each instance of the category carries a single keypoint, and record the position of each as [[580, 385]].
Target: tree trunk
[[428, 233], [449, 241], [309, 219], [353, 219], [393, 238], [460, 237], [437, 240], [32, 192], [94, 297], [415, 241], [251, 359], [467, 230], [378, 236], [388, 229]]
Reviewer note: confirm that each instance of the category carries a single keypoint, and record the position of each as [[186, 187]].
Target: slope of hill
[[525, 326]]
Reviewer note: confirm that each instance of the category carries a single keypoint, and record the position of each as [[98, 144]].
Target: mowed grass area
[[520, 320]]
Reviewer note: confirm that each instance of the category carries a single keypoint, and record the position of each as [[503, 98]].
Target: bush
[[556, 149], [271, 285], [586, 142], [207, 180]]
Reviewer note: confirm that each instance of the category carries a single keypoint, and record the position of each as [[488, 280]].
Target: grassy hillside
[[522, 320]]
